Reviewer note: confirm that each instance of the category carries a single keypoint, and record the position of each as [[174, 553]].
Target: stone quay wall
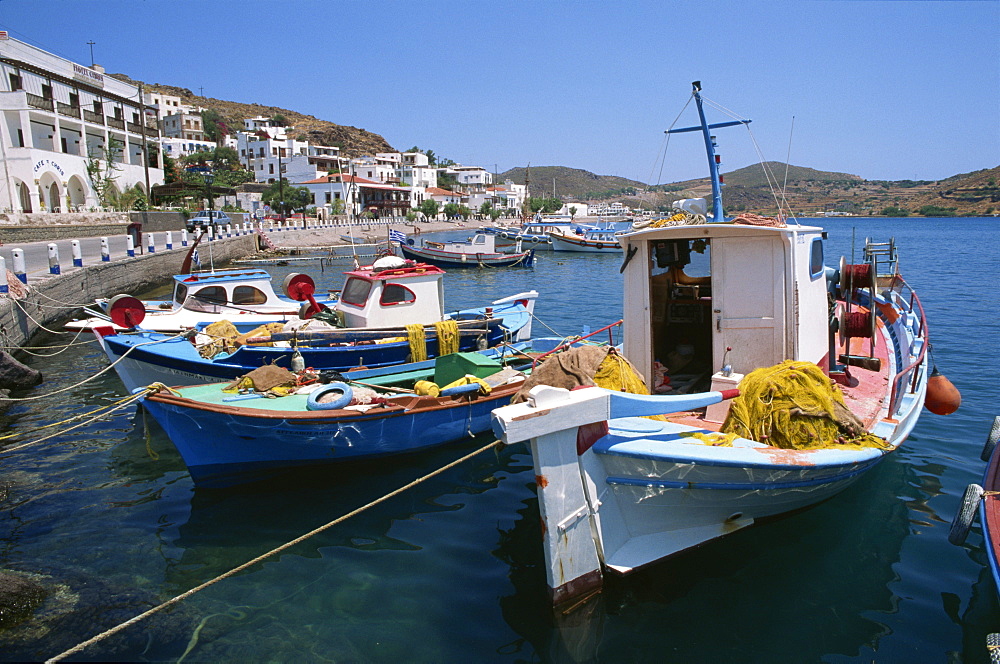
[[57, 298], [44, 227]]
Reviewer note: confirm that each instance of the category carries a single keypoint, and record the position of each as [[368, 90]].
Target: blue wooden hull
[[175, 361], [224, 445]]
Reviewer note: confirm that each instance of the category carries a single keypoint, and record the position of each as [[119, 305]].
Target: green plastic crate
[[449, 368]]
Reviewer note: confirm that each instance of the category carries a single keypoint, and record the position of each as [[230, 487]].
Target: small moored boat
[[481, 250], [239, 296]]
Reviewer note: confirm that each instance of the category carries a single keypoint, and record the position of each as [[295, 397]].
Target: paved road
[[36, 254]]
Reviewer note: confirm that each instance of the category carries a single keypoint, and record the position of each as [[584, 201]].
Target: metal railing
[[36, 101], [91, 116], [68, 110], [911, 370]]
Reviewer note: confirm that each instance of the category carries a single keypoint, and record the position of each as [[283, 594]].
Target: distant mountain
[[568, 183], [806, 190]]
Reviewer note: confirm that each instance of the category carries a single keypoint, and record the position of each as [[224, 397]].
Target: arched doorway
[[24, 197], [76, 190], [49, 196]]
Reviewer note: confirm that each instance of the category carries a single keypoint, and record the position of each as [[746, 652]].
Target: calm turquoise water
[[451, 570]]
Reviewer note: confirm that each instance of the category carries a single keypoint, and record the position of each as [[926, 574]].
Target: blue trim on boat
[[724, 486]]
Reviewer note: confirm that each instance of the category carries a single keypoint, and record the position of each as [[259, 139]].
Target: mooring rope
[[287, 545], [87, 380], [103, 411]]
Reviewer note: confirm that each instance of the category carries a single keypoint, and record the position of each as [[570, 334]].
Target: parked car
[[201, 220]]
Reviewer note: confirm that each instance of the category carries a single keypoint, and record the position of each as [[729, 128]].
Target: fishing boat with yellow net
[[777, 382]]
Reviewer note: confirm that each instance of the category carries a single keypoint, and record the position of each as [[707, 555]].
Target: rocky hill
[[568, 183], [352, 141], [806, 190]]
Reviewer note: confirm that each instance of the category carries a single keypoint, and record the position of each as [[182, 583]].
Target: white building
[[470, 175], [359, 195], [268, 156], [55, 113], [162, 105], [175, 148]]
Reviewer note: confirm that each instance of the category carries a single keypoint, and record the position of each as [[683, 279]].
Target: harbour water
[[451, 570]]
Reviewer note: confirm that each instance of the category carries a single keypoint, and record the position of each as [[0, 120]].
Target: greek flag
[[397, 236], [195, 258]]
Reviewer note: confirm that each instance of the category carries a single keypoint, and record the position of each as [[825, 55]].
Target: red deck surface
[[864, 391]]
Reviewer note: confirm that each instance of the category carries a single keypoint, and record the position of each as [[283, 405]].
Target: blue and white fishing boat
[[722, 319], [535, 234], [481, 250], [227, 438], [239, 295], [376, 307], [591, 240]]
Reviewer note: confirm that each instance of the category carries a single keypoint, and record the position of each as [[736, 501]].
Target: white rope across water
[[261, 558]]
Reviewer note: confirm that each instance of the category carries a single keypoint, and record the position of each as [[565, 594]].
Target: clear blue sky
[[903, 89]]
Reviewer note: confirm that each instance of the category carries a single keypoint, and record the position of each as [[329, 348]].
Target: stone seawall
[[40, 227], [55, 299]]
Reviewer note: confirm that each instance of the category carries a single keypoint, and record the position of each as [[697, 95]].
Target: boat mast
[[713, 162], [713, 159]]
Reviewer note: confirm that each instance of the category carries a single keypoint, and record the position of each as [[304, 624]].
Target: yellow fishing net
[[447, 334], [418, 342], [223, 335], [616, 373], [794, 405]]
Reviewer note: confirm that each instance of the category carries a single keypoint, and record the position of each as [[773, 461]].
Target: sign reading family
[[87, 74], [42, 163]]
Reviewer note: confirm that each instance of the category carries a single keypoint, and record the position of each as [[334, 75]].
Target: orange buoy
[[942, 398]]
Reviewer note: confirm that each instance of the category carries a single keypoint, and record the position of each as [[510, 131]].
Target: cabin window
[[356, 292], [248, 295], [180, 293], [816, 258], [396, 294], [209, 299]]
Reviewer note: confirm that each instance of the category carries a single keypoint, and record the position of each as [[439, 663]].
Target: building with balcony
[[57, 114], [360, 195], [188, 126]]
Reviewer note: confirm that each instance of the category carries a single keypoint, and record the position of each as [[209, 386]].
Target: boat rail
[[574, 340], [910, 371]]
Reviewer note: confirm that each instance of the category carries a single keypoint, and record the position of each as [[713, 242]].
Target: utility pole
[[145, 147], [91, 42]]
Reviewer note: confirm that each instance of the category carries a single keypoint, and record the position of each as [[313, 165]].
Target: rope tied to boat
[[751, 219], [261, 558]]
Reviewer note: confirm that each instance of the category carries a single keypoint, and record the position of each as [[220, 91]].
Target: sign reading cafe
[[42, 163], [87, 74]]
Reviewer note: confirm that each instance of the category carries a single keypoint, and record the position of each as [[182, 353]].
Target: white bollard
[[53, 258], [184, 238], [19, 271], [150, 244], [170, 241], [105, 250], [130, 246], [77, 253], [4, 288]]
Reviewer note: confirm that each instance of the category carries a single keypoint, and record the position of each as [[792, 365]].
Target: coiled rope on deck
[[236, 570]]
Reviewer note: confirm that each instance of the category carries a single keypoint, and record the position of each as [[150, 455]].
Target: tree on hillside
[[214, 124], [223, 162], [285, 198], [280, 120]]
